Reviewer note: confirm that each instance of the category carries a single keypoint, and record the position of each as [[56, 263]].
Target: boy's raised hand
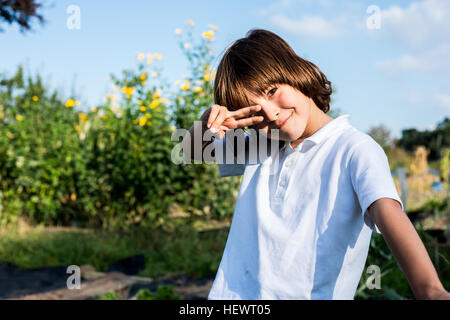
[[220, 119]]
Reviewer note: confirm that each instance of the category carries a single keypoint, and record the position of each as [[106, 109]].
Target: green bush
[[163, 292], [110, 166], [110, 295]]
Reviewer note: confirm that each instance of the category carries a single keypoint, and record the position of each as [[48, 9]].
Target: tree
[[434, 140], [20, 12], [382, 135]]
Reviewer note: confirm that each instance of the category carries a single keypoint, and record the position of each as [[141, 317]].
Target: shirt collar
[[320, 135]]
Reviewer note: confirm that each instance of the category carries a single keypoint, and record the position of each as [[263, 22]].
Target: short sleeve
[[228, 164], [371, 177]]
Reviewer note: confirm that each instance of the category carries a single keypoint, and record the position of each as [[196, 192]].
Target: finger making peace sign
[[220, 119]]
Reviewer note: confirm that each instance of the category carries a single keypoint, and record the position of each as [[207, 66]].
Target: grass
[[393, 281], [185, 250]]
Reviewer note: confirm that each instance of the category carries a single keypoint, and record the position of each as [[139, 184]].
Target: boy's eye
[[272, 91]]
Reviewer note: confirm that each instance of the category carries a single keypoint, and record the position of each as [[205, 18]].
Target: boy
[[302, 230]]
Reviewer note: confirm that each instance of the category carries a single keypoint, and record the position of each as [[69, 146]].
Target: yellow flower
[[154, 104], [70, 103], [94, 110], [83, 117], [128, 91], [148, 115], [143, 77], [190, 22], [142, 121], [139, 102], [157, 56], [140, 56], [198, 89], [178, 31], [35, 98], [164, 100], [154, 74], [135, 122], [208, 35], [149, 123], [103, 117], [77, 102], [149, 58], [213, 27], [185, 85], [207, 77], [143, 109], [187, 45], [19, 117], [77, 127], [111, 96]]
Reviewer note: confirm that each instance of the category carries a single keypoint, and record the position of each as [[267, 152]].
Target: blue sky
[[396, 75]]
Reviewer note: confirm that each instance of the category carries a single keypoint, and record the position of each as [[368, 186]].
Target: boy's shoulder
[[352, 139]]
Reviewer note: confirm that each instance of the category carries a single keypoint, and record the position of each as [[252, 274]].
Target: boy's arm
[[407, 248]]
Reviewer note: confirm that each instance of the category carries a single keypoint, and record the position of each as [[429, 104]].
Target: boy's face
[[284, 108]]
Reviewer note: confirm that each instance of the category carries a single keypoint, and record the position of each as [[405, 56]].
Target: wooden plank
[[112, 281], [88, 272]]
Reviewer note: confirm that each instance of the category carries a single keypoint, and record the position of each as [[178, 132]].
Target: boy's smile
[[286, 109], [284, 121]]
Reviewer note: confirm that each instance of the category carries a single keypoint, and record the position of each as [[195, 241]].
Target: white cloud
[[443, 101], [306, 24], [423, 28], [414, 98], [402, 63], [427, 127], [276, 6], [310, 26], [322, 3], [435, 59], [420, 23]]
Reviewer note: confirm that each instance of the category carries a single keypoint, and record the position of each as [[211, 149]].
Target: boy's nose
[[271, 112]]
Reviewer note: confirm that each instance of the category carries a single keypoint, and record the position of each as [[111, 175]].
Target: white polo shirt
[[304, 232]]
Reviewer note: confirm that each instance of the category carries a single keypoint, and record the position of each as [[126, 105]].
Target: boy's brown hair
[[262, 59]]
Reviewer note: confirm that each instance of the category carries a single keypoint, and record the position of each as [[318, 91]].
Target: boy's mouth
[[284, 121]]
